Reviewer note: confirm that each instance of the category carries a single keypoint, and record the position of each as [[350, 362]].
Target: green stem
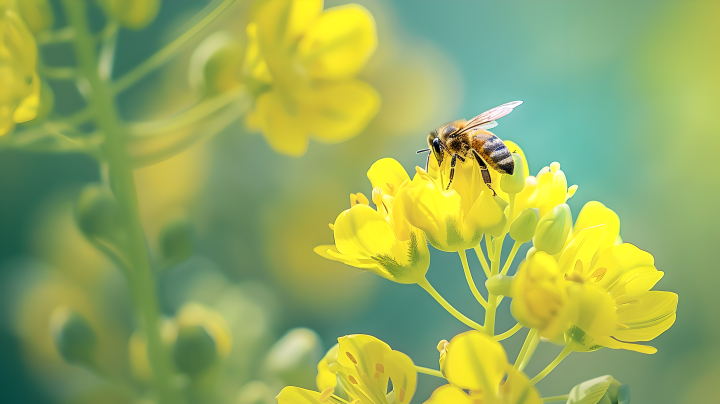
[[563, 354], [450, 309], [164, 54], [509, 333], [530, 351], [141, 279], [493, 299], [468, 277], [428, 371], [523, 350], [481, 258], [511, 257], [555, 398]]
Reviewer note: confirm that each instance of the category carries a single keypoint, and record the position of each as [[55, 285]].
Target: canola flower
[[579, 285], [306, 59]]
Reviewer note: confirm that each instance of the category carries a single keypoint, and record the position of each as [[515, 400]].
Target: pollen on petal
[[380, 368], [352, 380], [352, 358], [325, 395]]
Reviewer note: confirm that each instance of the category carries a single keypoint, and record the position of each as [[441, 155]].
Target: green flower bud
[[499, 285], [97, 213], [523, 227], [132, 14], [38, 14], [194, 350], [513, 184], [294, 357], [553, 229], [255, 392], [176, 240], [216, 64], [74, 337], [601, 390]]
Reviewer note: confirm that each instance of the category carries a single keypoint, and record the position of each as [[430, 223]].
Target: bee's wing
[[488, 117]]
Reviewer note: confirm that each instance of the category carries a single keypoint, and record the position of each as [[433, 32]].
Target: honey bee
[[463, 139]]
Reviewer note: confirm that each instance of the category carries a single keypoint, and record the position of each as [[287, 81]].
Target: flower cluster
[[19, 80], [579, 285], [305, 60]]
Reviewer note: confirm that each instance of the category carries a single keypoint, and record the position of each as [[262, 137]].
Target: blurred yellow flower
[[310, 57], [37, 14], [453, 220], [20, 83], [473, 361], [603, 298], [380, 241], [133, 14], [357, 370]]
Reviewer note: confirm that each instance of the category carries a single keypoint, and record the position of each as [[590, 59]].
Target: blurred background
[[623, 94]]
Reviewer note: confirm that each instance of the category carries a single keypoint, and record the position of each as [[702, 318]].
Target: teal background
[[623, 94]]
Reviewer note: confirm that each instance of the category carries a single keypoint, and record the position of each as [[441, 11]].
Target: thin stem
[[47, 37], [555, 398], [530, 351], [59, 73], [562, 355], [493, 299], [511, 257], [428, 371], [481, 257], [164, 54], [468, 277], [142, 281], [450, 309], [524, 348], [489, 247], [509, 333]]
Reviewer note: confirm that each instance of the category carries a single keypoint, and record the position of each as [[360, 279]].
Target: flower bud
[[215, 65], [601, 390], [294, 358], [132, 14], [176, 240], [513, 184], [97, 213], [553, 229], [74, 337], [37, 14], [523, 227], [499, 285], [194, 350]]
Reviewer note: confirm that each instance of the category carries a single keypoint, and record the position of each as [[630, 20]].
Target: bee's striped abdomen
[[494, 152]]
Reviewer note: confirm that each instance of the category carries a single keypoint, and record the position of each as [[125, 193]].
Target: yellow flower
[[37, 14], [309, 57], [380, 241], [20, 83], [545, 191], [133, 14], [473, 361], [604, 297], [452, 220], [357, 370]]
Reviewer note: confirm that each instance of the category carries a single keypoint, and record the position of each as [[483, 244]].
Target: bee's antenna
[[422, 151]]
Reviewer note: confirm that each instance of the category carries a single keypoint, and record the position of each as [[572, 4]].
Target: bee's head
[[436, 146]]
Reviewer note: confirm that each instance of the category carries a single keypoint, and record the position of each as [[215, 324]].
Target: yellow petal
[[615, 344], [337, 112], [362, 232], [553, 229], [282, 129], [518, 390], [595, 309], [360, 355], [28, 108], [387, 174], [484, 214], [475, 361], [401, 370], [595, 213], [630, 270], [557, 192], [339, 43], [297, 395], [303, 13], [583, 247], [326, 377], [647, 318], [449, 394]]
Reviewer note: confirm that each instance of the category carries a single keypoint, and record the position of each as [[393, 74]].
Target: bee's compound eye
[[448, 130]]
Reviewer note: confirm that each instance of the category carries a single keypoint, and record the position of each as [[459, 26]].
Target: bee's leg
[[452, 170], [484, 171]]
